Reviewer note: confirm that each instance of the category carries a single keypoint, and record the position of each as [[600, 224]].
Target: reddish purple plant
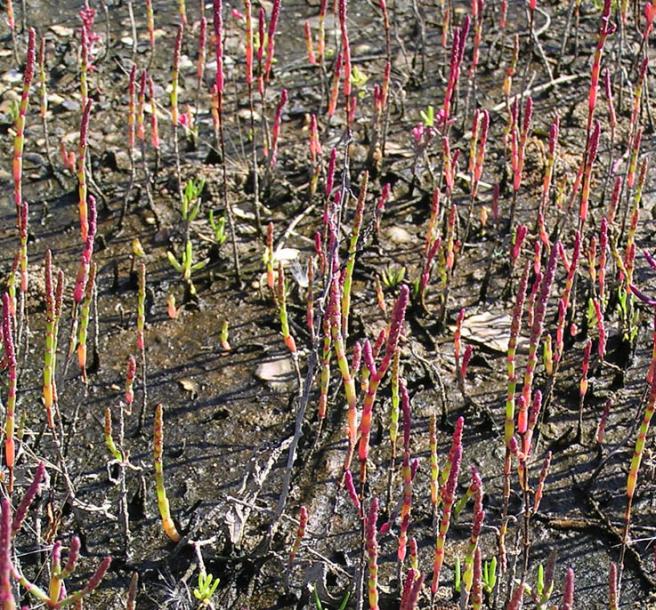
[[554, 132], [380, 205], [477, 523], [218, 42], [539, 490], [377, 374], [477, 8], [517, 597], [527, 427], [300, 532], [427, 268], [10, 406], [614, 199], [538, 322], [593, 146], [130, 374], [447, 494], [520, 235], [6, 593], [372, 553], [603, 251], [568, 591], [271, 44], [457, 54], [606, 28], [330, 172], [346, 58], [407, 473], [352, 493], [519, 137], [276, 127], [477, 584], [87, 253], [411, 589], [522, 138]]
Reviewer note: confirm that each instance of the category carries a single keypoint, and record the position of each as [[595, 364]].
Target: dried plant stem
[[388, 62], [254, 167], [133, 29], [44, 111], [224, 191], [128, 192], [123, 490], [141, 345], [147, 183]]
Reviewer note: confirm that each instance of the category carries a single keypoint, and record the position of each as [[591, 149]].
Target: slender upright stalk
[[82, 172], [447, 493], [10, 406], [19, 139], [175, 117], [218, 34], [141, 343], [632, 478], [158, 451], [251, 107]]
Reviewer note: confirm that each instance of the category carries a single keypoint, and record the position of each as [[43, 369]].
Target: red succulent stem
[[372, 553], [538, 322], [406, 471], [10, 406], [7, 600], [349, 485], [568, 591], [447, 493], [300, 532], [270, 50], [377, 375], [539, 490], [276, 128]]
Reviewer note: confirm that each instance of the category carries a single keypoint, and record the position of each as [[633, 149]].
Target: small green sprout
[[359, 80], [457, 576], [14, 111], [218, 227], [224, 336], [591, 314], [543, 590], [416, 288], [393, 275], [207, 585], [428, 116], [539, 581], [186, 265], [628, 315], [490, 575], [190, 204], [317, 602]]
